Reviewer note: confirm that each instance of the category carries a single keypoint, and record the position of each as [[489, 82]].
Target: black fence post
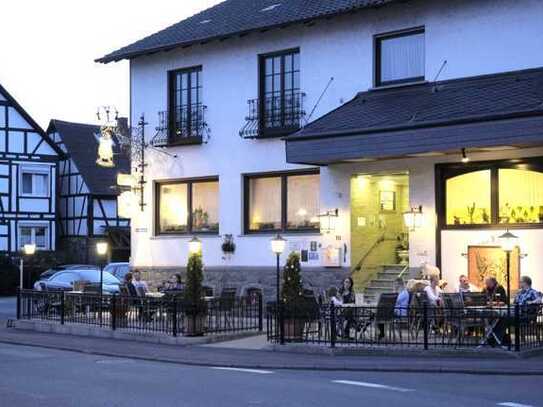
[[18, 303], [425, 324], [260, 314], [281, 324], [62, 308], [29, 306], [114, 312], [333, 328], [174, 316], [517, 328]]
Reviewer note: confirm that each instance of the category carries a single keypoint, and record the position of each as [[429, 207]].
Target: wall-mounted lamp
[[465, 158], [328, 221], [413, 218]]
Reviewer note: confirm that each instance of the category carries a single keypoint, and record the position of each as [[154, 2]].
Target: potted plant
[[195, 305], [402, 249], [294, 307], [228, 246]]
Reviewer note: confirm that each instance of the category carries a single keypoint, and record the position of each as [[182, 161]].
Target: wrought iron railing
[[274, 115], [422, 327], [183, 125], [168, 315]]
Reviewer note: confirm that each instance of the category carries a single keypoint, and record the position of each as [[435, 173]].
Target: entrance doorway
[[379, 238]]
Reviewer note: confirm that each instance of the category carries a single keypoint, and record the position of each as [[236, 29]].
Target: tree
[[194, 291], [292, 291]]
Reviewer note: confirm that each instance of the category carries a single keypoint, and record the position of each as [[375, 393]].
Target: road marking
[[371, 385], [511, 404], [237, 369]]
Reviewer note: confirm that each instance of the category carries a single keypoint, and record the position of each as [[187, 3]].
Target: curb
[[444, 370]]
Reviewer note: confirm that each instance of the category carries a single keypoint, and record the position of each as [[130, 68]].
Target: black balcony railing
[[274, 116], [184, 125]]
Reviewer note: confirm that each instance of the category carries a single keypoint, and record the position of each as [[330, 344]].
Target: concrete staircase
[[383, 282]]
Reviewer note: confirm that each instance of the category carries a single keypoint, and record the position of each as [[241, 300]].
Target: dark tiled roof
[[82, 146], [236, 17], [473, 99]]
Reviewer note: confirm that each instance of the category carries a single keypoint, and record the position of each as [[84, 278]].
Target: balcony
[[186, 126], [274, 116]]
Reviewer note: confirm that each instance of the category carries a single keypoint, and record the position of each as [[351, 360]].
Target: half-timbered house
[[28, 168], [87, 195]]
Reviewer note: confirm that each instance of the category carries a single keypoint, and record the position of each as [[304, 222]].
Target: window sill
[[501, 226], [398, 85], [167, 236], [184, 141], [282, 233]]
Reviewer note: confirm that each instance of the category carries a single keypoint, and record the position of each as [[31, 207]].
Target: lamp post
[[195, 245], [508, 242], [101, 250], [278, 246], [28, 250]]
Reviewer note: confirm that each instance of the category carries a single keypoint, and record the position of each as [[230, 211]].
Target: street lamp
[[508, 243], [101, 250], [28, 250], [278, 246], [195, 245]]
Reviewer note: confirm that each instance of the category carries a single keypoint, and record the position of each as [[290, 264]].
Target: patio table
[[491, 316]]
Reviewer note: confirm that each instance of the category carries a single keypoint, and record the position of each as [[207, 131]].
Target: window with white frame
[[35, 181], [399, 57], [34, 234]]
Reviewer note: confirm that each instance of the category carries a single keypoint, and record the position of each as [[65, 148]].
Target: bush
[[194, 290], [292, 290]]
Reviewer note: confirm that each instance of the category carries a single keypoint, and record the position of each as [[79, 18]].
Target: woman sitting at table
[[347, 297], [132, 292], [433, 292]]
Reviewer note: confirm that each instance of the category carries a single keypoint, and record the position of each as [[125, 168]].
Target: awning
[[493, 111]]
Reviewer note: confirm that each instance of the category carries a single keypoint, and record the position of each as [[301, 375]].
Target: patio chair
[[457, 322], [227, 302], [384, 316], [416, 314]]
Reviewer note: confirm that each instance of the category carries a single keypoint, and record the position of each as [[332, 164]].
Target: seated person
[[464, 286], [333, 297], [402, 302], [527, 295], [132, 292], [140, 285], [433, 292], [495, 293], [347, 292]]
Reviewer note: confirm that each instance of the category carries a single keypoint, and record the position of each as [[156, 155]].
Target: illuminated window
[[264, 204], [205, 207], [521, 196], [468, 198], [199, 199], [286, 202], [303, 202]]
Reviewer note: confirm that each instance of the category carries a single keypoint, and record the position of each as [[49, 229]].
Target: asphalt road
[[42, 377], [8, 308]]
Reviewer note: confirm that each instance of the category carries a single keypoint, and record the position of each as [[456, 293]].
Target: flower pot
[[403, 257], [293, 329], [194, 325]]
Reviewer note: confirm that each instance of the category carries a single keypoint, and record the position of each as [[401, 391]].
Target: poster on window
[[490, 261]]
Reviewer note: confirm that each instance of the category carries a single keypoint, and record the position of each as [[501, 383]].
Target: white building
[[28, 166], [436, 79]]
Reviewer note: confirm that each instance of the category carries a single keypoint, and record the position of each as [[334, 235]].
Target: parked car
[[48, 273], [66, 279], [119, 270]]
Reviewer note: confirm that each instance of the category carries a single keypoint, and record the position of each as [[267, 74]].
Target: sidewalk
[[250, 353]]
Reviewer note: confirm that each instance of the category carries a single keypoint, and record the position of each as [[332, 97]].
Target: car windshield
[[94, 277]]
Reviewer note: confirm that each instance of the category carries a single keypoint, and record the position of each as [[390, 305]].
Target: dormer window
[[399, 57]]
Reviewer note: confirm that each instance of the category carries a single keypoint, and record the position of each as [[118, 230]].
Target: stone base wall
[[246, 278]]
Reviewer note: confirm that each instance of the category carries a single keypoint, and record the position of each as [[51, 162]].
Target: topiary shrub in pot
[[195, 307], [294, 306]]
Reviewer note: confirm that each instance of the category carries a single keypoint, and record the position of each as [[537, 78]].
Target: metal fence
[[168, 315], [424, 327]]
